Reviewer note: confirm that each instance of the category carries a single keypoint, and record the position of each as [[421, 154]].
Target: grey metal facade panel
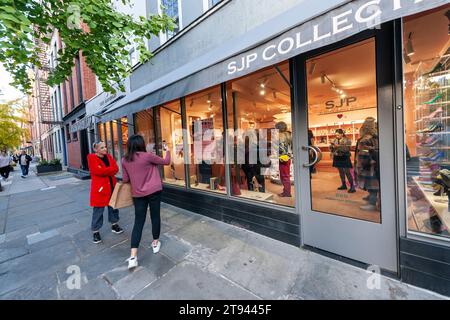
[[319, 32], [225, 33], [191, 10]]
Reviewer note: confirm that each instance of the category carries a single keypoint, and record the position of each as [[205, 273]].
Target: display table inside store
[[206, 187], [260, 196], [439, 203], [175, 182]]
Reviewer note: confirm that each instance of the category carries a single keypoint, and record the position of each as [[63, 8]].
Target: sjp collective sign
[[342, 22]]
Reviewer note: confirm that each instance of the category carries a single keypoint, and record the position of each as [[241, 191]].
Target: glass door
[[346, 158]]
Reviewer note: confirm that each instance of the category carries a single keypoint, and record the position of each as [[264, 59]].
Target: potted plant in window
[[45, 166]]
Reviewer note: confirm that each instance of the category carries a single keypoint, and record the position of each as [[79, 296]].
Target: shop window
[[144, 125], [205, 141], [426, 67], [101, 132], [124, 122], [342, 123], [108, 140], [115, 140], [169, 131], [257, 105]]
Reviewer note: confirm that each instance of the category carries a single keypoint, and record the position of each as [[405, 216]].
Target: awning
[[319, 24]]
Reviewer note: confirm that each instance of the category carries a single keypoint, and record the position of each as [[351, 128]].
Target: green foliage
[[10, 125], [93, 27], [55, 162], [43, 162]]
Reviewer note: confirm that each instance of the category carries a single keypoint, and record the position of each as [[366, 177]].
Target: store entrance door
[[345, 117]]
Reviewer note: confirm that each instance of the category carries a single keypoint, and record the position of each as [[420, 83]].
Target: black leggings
[[140, 206], [346, 172]]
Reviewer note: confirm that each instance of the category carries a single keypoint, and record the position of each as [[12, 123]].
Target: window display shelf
[[439, 203]]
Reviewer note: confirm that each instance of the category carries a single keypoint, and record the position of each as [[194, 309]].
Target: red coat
[[100, 185]]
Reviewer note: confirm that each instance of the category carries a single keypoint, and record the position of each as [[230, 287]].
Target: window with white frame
[[172, 8]]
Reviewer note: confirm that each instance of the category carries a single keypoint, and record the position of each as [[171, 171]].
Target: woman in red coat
[[103, 169]]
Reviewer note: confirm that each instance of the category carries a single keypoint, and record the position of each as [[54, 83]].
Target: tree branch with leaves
[[94, 27]]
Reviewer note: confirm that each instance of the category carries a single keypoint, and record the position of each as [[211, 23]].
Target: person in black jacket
[[24, 161]]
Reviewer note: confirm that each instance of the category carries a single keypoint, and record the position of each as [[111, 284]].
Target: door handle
[[316, 156]]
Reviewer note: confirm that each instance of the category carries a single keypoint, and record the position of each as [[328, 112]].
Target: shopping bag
[[121, 196]]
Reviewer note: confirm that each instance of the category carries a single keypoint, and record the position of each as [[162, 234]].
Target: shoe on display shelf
[[434, 113], [436, 98]]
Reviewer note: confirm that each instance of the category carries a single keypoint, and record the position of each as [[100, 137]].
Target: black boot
[[343, 187]]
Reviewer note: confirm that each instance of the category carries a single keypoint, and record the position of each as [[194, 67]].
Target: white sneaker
[[156, 246], [132, 262]]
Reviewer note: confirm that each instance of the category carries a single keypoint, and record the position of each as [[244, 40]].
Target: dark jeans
[[346, 172], [24, 170], [373, 197], [140, 206], [97, 217], [4, 172]]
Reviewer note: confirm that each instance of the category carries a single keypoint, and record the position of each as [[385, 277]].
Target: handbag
[[121, 196]]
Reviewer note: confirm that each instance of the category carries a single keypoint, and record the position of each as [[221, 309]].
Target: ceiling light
[[343, 95], [262, 92], [209, 98], [262, 85], [409, 47]]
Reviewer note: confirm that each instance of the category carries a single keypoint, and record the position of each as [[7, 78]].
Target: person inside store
[[367, 163], [140, 169], [285, 156], [340, 151], [252, 165], [103, 169]]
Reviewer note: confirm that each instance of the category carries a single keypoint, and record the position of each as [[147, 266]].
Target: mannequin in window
[[285, 156]]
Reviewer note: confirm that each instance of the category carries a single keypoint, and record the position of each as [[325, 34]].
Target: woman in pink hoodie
[[140, 169]]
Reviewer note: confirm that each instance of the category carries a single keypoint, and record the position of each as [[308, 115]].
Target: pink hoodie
[[143, 173]]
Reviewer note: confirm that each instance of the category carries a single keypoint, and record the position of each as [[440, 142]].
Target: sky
[[7, 92]]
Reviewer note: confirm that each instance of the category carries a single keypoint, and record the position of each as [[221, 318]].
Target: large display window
[[144, 125], [342, 122], [170, 131], [260, 136], [205, 140], [426, 67]]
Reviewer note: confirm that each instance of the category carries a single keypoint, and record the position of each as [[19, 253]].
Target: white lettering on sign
[[339, 20], [366, 16], [358, 15]]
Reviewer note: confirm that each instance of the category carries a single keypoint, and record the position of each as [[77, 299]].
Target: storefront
[[358, 98]]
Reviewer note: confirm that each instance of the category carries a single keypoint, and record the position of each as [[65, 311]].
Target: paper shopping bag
[[121, 196]]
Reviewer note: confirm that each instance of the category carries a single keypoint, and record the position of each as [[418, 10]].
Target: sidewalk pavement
[[46, 252]]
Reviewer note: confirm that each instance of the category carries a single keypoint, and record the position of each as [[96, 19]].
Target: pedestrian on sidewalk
[[5, 165], [24, 161], [140, 168], [103, 169]]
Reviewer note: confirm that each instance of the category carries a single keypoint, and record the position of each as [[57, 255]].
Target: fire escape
[[45, 109]]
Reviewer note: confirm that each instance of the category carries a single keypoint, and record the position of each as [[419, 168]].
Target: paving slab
[[96, 289], [18, 272], [188, 282], [41, 288], [268, 275], [133, 283]]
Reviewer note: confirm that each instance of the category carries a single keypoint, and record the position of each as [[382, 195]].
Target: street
[[46, 252]]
